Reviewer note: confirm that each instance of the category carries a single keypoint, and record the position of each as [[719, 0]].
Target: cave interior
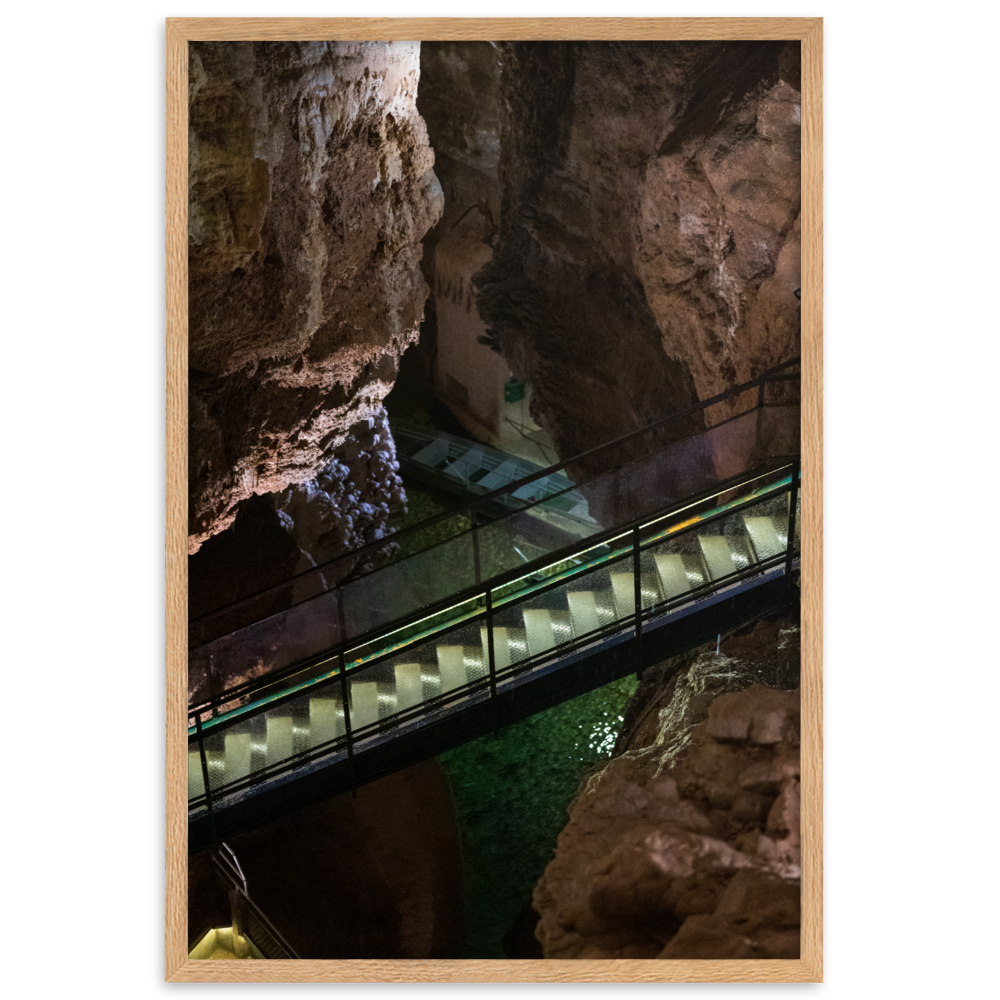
[[563, 276]]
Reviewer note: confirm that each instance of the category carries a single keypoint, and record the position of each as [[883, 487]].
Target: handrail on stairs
[[778, 373], [632, 540], [249, 921], [280, 677]]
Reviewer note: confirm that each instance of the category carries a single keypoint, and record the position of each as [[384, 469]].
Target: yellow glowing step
[[624, 589], [409, 686], [538, 625], [326, 720], [451, 665], [718, 558], [764, 536], [583, 611], [364, 703]]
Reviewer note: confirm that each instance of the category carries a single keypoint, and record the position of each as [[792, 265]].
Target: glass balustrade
[[267, 632], [441, 662]]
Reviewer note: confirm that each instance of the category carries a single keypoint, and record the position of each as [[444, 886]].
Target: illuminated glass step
[[769, 539], [538, 625], [583, 611], [717, 554]]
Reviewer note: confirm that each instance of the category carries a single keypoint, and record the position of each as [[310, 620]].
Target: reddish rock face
[[687, 844], [311, 187], [648, 243]]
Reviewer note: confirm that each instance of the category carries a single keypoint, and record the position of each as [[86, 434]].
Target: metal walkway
[[456, 465], [494, 652]]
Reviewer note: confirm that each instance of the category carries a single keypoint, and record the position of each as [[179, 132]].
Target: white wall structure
[[468, 375]]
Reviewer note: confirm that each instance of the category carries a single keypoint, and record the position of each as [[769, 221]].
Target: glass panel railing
[[266, 647], [255, 742], [439, 663], [668, 482], [366, 605], [585, 599]]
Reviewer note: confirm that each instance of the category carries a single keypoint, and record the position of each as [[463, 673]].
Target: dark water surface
[[511, 794]]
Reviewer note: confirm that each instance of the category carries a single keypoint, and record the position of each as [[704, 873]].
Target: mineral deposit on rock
[[311, 187]]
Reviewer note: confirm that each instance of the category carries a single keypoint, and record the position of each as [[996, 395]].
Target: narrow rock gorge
[[613, 226]]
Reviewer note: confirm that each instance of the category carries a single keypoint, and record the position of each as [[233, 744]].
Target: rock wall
[[648, 243], [459, 100], [311, 187], [686, 845], [377, 876], [347, 505]]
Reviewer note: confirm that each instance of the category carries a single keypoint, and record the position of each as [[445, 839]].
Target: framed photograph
[[494, 515]]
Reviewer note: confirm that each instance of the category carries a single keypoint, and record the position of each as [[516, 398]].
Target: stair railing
[[280, 678], [631, 542], [249, 921], [240, 613]]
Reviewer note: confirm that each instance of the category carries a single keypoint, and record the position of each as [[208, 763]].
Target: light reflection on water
[[511, 795]]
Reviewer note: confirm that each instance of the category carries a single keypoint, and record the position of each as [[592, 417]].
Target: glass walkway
[[496, 640]]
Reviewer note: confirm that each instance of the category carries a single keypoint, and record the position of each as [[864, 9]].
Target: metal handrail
[[228, 866], [608, 631], [770, 375], [249, 688], [243, 713]]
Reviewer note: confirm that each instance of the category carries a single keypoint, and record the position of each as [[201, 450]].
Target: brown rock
[[648, 252], [705, 936], [755, 899], [690, 845], [783, 819], [760, 714], [310, 189], [767, 776]]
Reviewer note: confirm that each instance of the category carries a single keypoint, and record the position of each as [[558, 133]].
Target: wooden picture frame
[[179, 31]]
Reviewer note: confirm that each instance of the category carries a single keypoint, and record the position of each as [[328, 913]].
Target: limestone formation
[[348, 503], [648, 239], [686, 845], [311, 187]]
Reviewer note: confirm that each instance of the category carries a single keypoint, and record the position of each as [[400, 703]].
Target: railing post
[[793, 497], [240, 946], [491, 658], [347, 724], [341, 619], [637, 581], [475, 553], [213, 697], [204, 778], [755, 457]]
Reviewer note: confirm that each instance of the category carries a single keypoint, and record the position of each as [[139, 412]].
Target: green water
[[512, 792]]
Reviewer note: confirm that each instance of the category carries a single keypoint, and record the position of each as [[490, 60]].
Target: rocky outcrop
[[311, 187], [347, 505], [277, 536], [686, 845], [459, 101], [648, 240]]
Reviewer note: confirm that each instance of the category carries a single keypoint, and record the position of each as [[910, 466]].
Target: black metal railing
[[365, 692], [249, 921], [489, 551]]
